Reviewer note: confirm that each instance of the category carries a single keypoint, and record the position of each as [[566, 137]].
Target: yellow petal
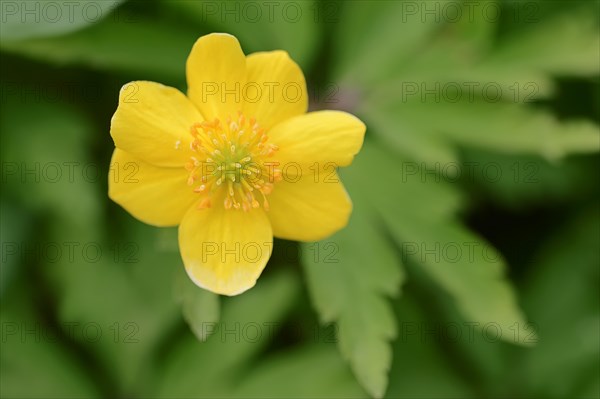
[[322, 139], [153, 122], [155, 195], [225, 251], [275, 88], [303, 210], [216, 74]]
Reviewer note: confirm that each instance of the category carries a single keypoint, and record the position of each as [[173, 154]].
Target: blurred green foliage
[[470, 267]]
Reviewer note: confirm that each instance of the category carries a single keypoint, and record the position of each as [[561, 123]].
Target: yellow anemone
[[234, 163]]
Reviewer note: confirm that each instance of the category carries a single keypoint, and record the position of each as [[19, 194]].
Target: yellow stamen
[[232, 155]]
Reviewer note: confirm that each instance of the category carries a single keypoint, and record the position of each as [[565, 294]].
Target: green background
[[470, 267]]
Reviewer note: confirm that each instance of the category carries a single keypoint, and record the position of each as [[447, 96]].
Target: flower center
[[231, 163]]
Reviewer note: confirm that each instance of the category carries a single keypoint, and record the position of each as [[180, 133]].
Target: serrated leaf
[[410, 140], [512, 128], [444, 44], [470, 270], [502, 127], [474, 276], [564, 43], [435, 330], [399, 186], [436, 52], [520, 67], [350, 288], [364, 33]]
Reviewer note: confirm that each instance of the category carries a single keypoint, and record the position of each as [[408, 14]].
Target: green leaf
[[349, 277], [15, 226], [260, 26], [521, 63], [121, 288], [522, 181], [395, 186], [421, 357], [32, 351], [376, 37], [148, 48], [311, 371], [199, 306], [560, 294], [411, 140], [448, 344], [443, 44], [501, 127], [562, 43], [22, 19], [472, 25], [463, 264], [446, 45], [469, 269], [118, 287], [45, 176], [248, 323]]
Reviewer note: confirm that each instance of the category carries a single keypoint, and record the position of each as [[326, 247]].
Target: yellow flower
[[234, 163]]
